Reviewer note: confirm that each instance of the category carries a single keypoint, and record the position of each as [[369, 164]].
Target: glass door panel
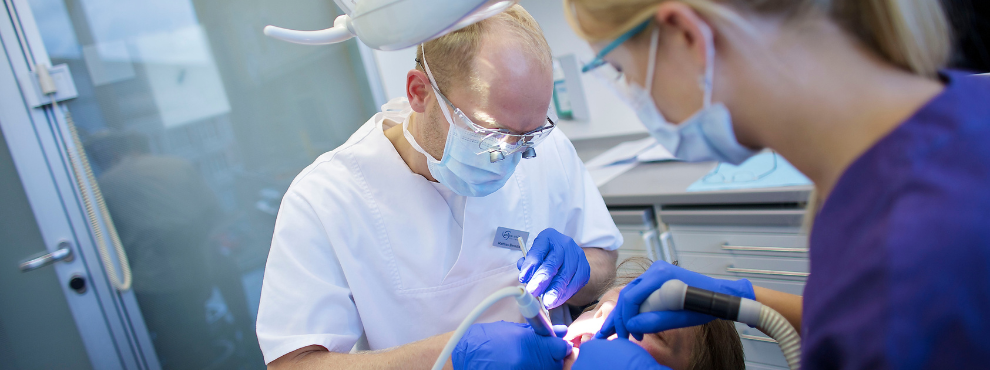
[[195, 124], [34, 314]]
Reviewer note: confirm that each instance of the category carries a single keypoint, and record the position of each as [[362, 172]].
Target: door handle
[[63, 253]]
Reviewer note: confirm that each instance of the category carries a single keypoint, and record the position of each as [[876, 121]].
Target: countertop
[[665, 182]]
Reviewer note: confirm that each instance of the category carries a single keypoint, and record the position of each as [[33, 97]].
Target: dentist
[[394, 237]]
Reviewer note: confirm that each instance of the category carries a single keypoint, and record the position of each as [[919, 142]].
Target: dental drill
[[675, 295]]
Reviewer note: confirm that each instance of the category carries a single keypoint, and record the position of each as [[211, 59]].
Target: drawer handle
[[766, 272], [763, 249], [757, 338]]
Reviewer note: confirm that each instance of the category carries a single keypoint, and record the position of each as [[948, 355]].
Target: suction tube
[[674, 295]]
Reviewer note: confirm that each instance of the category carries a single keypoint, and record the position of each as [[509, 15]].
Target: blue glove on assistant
[[617, 353], [625, 318], [508, 345], [555, 268]]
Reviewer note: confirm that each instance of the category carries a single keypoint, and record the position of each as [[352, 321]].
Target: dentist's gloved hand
[[508, 345], [617, 353], [555, 268], [625, 318]]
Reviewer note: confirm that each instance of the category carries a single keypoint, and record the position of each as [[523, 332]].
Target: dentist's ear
[[418, 90]]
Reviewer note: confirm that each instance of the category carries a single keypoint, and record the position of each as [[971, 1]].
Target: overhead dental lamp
[[395, 24]]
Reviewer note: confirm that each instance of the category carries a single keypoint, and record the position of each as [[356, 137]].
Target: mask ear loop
[[436, 89], [706, 81], [651, 68]]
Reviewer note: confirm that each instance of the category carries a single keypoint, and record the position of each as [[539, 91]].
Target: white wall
[[393, 66], [609, 115]]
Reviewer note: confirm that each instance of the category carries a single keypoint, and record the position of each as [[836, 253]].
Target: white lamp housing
[[396, 24]]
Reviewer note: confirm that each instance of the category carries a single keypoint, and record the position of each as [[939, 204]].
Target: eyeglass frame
[[599, 59], [484, 130]]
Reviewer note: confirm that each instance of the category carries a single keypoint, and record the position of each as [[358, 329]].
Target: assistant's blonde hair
[[911, 34], [451, 57]]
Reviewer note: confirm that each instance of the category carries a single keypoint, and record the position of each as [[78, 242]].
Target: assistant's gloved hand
[[555, 268], [508, 345], [625, 318], [618, 353]]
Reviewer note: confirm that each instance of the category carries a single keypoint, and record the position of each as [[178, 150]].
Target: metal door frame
[[114, 339]]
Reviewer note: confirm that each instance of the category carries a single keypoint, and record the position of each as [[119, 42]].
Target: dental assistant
[[395, 236], [854, 94]]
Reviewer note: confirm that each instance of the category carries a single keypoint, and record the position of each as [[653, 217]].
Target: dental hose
[[529, 307], [675, 295]]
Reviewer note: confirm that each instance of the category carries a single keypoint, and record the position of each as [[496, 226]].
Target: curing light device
[[530, 308], [675, 295]]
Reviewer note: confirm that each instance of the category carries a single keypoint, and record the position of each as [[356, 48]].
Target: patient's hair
[[718, 346]]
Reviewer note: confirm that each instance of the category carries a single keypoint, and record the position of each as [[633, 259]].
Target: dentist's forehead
[[510, 87]]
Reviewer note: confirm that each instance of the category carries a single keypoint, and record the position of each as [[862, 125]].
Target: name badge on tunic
[[508, 238]]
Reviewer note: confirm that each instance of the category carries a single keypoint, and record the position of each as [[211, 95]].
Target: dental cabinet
[[754, 234]]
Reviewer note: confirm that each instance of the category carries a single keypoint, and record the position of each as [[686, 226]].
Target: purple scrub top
[[900, 252]]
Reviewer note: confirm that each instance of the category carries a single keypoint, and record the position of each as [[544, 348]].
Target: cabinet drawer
[[633, 241], [760, 348], [742, 244], [745, 267]]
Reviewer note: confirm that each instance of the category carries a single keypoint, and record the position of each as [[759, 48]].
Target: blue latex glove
[[509, 345], [625, 318], [555, 268], [618, 353]]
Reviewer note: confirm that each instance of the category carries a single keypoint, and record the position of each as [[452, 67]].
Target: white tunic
[[363, 245]]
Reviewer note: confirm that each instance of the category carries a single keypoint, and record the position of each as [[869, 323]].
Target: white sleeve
[[305, 299], [588, 220]]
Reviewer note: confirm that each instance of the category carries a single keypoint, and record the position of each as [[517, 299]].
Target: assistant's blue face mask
[[705, 136]]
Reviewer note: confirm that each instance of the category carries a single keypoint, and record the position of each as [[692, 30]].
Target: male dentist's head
[[480, 98]]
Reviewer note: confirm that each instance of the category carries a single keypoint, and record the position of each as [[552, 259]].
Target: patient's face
[[671, 348]]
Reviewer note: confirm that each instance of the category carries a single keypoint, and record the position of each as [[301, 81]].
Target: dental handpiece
[[535, 314], [531, 308]]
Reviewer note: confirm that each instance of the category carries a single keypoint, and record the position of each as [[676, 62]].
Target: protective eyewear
[[498, 143], [599, 59]]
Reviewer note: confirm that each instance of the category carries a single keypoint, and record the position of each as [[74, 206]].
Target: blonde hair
[[911, 34], [451, 57]]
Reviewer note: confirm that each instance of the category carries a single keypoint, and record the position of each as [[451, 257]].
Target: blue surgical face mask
[[705, 136], [464, 168]]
